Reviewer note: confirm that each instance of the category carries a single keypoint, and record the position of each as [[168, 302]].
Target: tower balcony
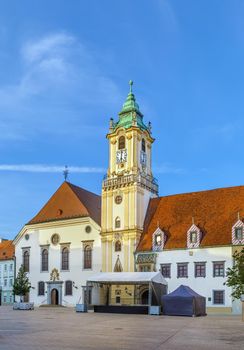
[[145, 181]]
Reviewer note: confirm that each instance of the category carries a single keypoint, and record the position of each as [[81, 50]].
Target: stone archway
[[54, 297], [54, 292], [144, 297]]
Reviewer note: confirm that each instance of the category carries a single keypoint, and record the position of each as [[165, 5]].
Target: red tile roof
[[70, 201], [214, 212], [6, 250]]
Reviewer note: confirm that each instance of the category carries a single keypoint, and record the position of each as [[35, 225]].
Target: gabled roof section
[[6, 250], [68, 202], [214, 212]]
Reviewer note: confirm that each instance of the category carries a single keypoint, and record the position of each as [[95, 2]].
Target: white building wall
[[6, 280], [202, 285], [72, 233]]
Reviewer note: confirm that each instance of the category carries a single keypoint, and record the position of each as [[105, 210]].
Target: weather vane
[[66, 172]]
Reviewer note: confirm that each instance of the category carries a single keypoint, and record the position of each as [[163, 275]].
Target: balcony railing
[[147, 181]]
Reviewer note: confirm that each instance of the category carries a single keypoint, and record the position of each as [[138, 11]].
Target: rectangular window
[[239, 233], [5, 282], [4, 299], [200, 269], [218, 268], [41, 288], [11, 267], [68, 288], [218, 297], [10, 282], [5, 267], [182, 270], [166, 270], [117, 300], [193, 237]]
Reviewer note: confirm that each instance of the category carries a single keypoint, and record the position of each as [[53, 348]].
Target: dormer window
[[194, 237], [158, 240], [238, 233]]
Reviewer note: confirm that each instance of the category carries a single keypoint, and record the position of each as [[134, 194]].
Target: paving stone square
[[63, 328]]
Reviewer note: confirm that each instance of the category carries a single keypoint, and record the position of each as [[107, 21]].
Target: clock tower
[[127, 187]]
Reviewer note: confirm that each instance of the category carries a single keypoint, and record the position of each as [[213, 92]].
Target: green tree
[[235, 275], [21, 284]]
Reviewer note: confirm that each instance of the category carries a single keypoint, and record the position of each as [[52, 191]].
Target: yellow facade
[[126, 191]]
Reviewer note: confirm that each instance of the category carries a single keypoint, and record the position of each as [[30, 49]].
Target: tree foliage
[[235, 275], [21, 284]]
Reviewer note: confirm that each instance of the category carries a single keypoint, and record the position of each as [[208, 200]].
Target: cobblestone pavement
[[62, 328]]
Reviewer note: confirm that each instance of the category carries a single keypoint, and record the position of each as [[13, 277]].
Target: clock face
[[118, 157], [124, 155], [121, 156]]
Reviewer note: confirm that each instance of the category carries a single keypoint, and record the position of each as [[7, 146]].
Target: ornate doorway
[[54, 296], [144, 297]]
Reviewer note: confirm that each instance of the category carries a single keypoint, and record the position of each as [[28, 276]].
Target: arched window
[[65, 259], [121, 142], [117, 246], [117, 222], [87, 257], [68, 288], [44, 260], [26, 261], [143, 145], [41, 288]]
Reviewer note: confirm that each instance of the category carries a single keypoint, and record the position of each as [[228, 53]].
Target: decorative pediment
[[238, 233], [158, 240], [194, 236]]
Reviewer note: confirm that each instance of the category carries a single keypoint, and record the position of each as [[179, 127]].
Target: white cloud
[[58, 77], [44, 168], [54, 45]]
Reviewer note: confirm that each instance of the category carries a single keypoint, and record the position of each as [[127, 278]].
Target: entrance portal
[[144, 297], [54, 296]]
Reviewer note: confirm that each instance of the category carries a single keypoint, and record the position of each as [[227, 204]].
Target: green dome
[[130, 114]]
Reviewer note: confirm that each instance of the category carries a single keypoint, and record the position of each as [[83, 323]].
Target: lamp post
[[0, 295]]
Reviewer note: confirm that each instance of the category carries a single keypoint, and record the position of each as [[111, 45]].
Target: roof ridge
[[81, 188], [70, 186], [201, 191]]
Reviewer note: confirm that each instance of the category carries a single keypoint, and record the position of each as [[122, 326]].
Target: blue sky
[[64, 71]]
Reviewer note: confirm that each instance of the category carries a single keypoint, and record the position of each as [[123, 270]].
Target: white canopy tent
[[127, 278], [152, 283]]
